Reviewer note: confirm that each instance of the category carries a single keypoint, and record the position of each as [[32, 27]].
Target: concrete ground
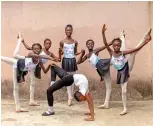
[[140, 113]]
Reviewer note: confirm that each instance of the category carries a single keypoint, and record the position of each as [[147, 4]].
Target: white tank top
[[93, 59], [69, 50], [81, 81], [44, 60], [118, 62], [29, 65]]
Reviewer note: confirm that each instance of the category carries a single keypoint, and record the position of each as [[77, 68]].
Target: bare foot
[[34, 104], [21, 110], [104, 106]]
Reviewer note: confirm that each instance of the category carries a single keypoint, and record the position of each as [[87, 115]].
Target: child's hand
[[83, 51], [60, 50], [89, 119], [56, 60], [104, 28], [52, 64]]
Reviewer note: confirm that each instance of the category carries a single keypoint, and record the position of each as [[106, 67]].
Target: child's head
[[116, 44], [79, 97], [47, 43], [90, 44], [36, 48], [68, 30]]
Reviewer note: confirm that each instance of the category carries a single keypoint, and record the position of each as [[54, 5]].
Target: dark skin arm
[[61, 50], [82, 57], [97, 50], [26, 46], [31, 54], [91, 107], [139, 47], [105, 41], [75, 49], [45, 70], [55, 57]]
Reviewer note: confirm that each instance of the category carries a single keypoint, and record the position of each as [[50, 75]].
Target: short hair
[[47, 39], [77, 95], [117, 39], [89, 40], [69, 25], [37, 45]]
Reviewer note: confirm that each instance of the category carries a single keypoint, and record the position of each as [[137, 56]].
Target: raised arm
[[146, 40], [105, 41], [91, 107], [82, 57], [26, 46], [97, 50]]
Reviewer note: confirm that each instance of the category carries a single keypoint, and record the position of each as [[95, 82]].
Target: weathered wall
[[38, 20]]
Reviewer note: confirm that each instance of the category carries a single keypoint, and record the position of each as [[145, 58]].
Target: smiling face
[[90, 44], [117, 45], [68, 31], [47, 44], [36, 49]]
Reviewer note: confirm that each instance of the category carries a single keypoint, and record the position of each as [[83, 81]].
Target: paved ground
[[140, 114]]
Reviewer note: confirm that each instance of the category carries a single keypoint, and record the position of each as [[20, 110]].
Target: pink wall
[[38, 20]]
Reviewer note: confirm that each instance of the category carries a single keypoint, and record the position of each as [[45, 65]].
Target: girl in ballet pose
[[122, 63], [21, 66], [102, 66], [45, 51]]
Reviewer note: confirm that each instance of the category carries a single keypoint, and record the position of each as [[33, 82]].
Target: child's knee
[[49, 91], [124, 91]]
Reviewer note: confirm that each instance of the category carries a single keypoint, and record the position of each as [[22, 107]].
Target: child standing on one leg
[[21, 66], [120, 62]]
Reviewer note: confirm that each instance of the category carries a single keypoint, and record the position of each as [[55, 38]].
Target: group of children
[[120, 58]]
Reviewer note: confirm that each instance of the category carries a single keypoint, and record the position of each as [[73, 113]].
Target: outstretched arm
[[55, 57], [82, 57], [91, 107], [105, 41], [97, 50], [148, 38], [31, 54]]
